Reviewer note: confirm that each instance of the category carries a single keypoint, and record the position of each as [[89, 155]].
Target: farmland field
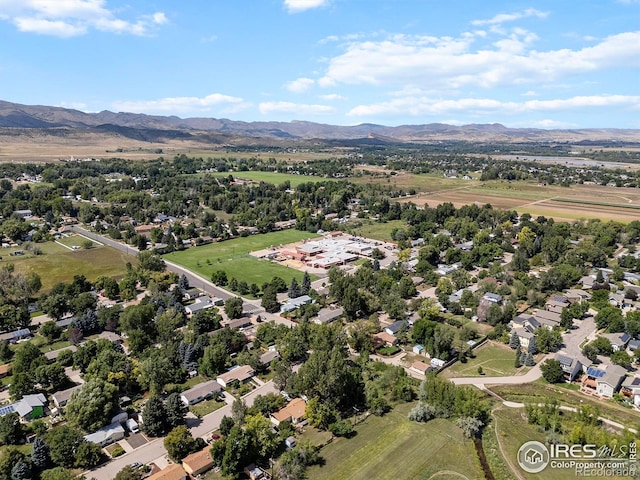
[[562, 203], [232, 257], [392, 447], [58, 264]]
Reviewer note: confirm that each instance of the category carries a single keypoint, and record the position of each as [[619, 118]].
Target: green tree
[[621, 358], [88, 455], [64, 441], [552, 371], [93, 405], [233, 307], [129, 473], [179, 443], [176, 410], [40, 456], [11, 430], [155, 417], [269, 299]]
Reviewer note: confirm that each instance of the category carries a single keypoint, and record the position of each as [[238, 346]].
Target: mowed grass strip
[[58, 264], [495, 360], [232, 257], [392, 447]]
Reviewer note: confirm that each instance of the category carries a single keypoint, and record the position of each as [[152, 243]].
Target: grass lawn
[[58, 264], [273, 177], [203, 408], [376, 230], [513, 430], [76, 241], [392, 447], [540, 391], [232, 256], [495, 360]]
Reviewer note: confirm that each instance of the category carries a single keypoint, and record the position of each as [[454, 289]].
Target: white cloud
[[548, 123], [416, 106], [68, 18], [209, 39], [402, 61], [510, 17], [302, 5], [300, 85], [175, 105], [332, 97], [297, 108]]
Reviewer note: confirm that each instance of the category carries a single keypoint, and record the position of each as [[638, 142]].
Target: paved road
[[155, 449], [194, 279]]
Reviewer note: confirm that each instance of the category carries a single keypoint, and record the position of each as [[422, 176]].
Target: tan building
[[198, 462], [292, 411], [172, 472]]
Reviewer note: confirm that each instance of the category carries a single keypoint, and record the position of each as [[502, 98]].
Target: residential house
[[618, 341], [554, 317], [631, 389], [575, 295], [199, 462], [421, 367], [111, 336], [555, 306], [587, 282], [328, 315], [396, 327], [633, 345], [383, 338], [493, 298], [241, 374], [200, 392], [16, 336], [295, 303], [572, 366], [267, 357], [201, 303], [192, 294], [238, 323], [171, 472], [61, 398], [293, 412], [603, 380], [525, 337], [5, 370], [28, 407], [106, 435]]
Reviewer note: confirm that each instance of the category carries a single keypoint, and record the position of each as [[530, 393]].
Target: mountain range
[[15, 118]]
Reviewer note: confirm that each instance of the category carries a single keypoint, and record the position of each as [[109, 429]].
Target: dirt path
[[511, 466], [449, 473]]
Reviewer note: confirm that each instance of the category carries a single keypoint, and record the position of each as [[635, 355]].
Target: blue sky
[[548, 64]]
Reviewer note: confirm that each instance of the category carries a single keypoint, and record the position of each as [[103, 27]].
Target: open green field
[[204, 408], [377, 230], [76, 241], [232, 256], [272, 177], [540, 391], [495, 360], [513, 431], [422, 182], [58, 264], [392, 447]]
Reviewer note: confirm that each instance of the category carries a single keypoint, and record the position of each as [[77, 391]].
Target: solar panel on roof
[[6, 409], [564, 360], [20, 333], [594, 372]]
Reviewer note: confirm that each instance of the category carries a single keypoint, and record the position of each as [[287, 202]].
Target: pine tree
[[294, 289], [517, 363], [40, 454], [305, 288], [514, 341], [176, 410], [533, 346], [529, 361], [21, 471]]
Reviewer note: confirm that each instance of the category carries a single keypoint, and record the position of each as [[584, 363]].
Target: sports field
[[59, 264], [232, 257], [391, 447]]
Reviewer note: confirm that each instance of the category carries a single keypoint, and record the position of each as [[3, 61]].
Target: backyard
[[496, 361], [232, 257]]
